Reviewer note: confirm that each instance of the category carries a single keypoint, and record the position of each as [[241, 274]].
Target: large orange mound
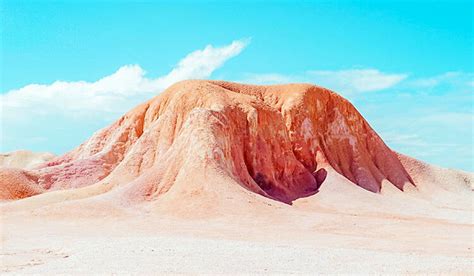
[[276, 141]]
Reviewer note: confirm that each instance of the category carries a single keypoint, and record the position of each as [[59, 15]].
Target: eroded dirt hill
[[277, 141]]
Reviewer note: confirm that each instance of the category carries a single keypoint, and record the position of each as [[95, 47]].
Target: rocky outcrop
[[276, 141]]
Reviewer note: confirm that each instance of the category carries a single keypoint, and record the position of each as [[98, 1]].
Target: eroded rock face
[[271, 140]]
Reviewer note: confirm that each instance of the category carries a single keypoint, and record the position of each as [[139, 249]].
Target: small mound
[[16, 184], [24, 159]]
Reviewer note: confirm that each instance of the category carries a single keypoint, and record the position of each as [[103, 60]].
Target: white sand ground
[[342, 229], [126, 250], [290, 240], [317, 245]]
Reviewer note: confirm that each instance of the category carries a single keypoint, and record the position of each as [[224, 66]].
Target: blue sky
[[69, 68]]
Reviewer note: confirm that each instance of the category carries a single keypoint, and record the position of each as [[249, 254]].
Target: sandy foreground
[[82, 248], [325, 233]]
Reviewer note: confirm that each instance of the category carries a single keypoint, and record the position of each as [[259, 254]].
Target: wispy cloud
[[49, 110], [413, 141], [428, 126], [347, 82], [358, 80], [447, 153], [114, 92], [448, 78], [458, 119]]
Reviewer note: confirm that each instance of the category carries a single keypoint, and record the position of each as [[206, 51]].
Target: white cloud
[[450, 119], [201, 63], [358, 80], [348, 82], [114, 93], [66, 113], [411, 140], [458, 79]]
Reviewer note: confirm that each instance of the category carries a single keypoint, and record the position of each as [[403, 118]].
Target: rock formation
[[277, 141]]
